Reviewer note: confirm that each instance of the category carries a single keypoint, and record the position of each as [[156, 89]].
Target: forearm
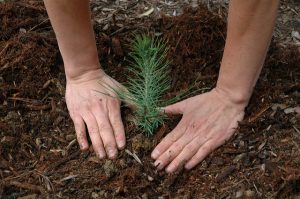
[[72, 25], [250, 27]]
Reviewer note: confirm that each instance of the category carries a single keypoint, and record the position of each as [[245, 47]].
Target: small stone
[[8, 141], [150, 178], [95, 195], [295, 34], [239, 194], [181, 190], [102, 193], [280, 106], [118, 190], [22, 30], [38, 142], [239, 157], [292, 110], [145, 196], [70, 137], [249, 193], [109, 168], [242, 143]]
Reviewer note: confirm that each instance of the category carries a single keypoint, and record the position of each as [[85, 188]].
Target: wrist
[[77, 69], [233, 96], [81, 62], [86, 75]]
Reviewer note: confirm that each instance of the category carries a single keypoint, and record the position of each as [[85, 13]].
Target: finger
[[101, 114], [172, 152], [116, 123], [93, 129], [186, 154], [176, 108], [80, 132], [176, 148], [171, 138], [204, 151]]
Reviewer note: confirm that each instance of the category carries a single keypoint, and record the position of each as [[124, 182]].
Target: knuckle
[[115, 102], [172, 138], [119, 135], [190, 147], [176, 146], [77, 122], [84, 104], [207, 149], [103, 126], [80, 136], [93, 130], [110, 145], [117, 125], [94, 102]]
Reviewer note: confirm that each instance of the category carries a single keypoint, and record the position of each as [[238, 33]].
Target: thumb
[[177, 108]]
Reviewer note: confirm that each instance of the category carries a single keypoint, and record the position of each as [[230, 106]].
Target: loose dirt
[[39, 156]]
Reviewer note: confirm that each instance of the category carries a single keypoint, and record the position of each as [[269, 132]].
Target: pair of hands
[[208, 120]]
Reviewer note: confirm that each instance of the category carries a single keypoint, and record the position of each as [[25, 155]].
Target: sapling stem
[[149, 82]]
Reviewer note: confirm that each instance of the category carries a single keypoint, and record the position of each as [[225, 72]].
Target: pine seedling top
[[149, 82]]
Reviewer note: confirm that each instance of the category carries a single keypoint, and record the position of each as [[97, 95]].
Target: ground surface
[[39, 156]]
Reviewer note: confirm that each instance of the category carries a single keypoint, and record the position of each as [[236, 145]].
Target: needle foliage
[[150, 80]]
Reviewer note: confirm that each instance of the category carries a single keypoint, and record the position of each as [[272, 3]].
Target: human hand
[[88, 105], [208, 121]]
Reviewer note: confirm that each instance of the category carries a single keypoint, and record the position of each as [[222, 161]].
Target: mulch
[[39, 156]]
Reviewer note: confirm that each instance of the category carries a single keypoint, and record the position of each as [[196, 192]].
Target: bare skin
[[211, 118], [208, 119], [100, 113]]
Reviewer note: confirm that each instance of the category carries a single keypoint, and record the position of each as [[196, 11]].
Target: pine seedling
[[150, 81]]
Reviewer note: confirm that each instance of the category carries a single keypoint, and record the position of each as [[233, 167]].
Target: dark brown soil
[[39, 156]]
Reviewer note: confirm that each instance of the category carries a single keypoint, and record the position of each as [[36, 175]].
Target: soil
[[39, 156]]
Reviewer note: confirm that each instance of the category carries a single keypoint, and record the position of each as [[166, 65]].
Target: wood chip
[[147, 13], [226, 172]]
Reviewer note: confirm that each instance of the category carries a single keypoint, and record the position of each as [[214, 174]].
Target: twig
[[134, 156], [259, 114], [38, 108], [25, 185], [7, 44], [46, 179], [297, 130], [33, 104], [60, 162], [30, 6], [38, 25], [18, 176], [31, 101]]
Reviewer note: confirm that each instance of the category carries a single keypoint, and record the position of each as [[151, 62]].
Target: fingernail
[[111, 153], [157, 164], [83, 146], [121, 144], [101, 155], [187, 166], [170, 169], [155, 154]]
